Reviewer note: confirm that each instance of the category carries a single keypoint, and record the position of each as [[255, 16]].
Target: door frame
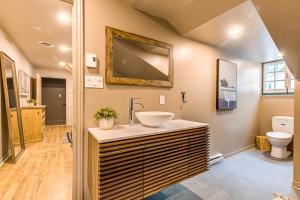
[[78, 99]]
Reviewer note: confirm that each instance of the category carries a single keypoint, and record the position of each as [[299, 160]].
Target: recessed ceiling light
[[64, 17], [62, 63], [64, 48], [235, 32], [250, 15], [46, 44]]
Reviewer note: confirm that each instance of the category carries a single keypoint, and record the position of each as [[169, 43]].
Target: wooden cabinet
[[33, 121], [139, 167]]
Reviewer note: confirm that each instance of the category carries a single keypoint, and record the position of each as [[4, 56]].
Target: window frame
[[288, 90]]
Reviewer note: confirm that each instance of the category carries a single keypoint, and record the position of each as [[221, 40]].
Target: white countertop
[[32, 107], [121, 132]]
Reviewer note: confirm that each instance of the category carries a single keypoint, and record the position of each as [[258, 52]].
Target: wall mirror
[[12, 104], [136, 60]]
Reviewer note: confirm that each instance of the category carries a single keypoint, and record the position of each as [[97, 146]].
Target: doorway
[[54, 98], [42, 47]]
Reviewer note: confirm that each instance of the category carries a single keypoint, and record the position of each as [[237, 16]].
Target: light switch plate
[[94, 82], [162, 100], [91, 60]]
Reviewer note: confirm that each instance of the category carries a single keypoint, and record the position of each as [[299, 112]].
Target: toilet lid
[[279, 135]]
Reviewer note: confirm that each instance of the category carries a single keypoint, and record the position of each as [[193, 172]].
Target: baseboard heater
[[215, 159]]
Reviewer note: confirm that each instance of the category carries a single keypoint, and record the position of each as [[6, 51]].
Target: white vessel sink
[[153, 118]]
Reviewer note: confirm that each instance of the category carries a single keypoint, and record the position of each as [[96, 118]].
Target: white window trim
[[287, 91]]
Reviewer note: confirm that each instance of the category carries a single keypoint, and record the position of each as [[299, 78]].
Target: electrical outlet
[[94, 82], [162, 100]]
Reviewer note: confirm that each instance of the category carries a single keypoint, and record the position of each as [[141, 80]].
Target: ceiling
[[282, 21], [254, 41], [185, 15], [210, 21], [32, 21]]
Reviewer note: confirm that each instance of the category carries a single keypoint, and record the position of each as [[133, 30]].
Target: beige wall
[[297, 137], [195, 73], [230, 130], [21, 62], [38, 89], [52, 73], [274, 106], [8, 47]]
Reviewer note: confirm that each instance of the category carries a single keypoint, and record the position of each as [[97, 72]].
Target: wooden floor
[[44, 172]]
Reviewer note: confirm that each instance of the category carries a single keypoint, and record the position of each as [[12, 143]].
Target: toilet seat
[[279, 135]]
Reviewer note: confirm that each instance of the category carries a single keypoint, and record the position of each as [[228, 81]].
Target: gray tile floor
[[247, 176]]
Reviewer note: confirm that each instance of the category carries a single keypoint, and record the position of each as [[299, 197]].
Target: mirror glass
[[132, 59], [137, 60], [12, 105]]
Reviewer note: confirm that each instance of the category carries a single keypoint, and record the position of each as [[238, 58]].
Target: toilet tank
[[283, 124]]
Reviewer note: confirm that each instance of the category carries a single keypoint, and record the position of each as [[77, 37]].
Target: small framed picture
[[24, 83]]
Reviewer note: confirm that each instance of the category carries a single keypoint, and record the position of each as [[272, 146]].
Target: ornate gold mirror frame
[[114, 80], [12, 116]]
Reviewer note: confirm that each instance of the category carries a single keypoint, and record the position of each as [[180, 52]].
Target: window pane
[[277, 78], [270, 77], [280, 76], [269, 85], [280, 67], [280, 85], [270, 68], [293, 84]]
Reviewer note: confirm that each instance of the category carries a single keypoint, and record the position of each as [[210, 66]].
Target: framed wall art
[[24, 83], [226, 85]]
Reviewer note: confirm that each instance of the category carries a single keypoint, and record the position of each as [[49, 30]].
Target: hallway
[[44, 172]]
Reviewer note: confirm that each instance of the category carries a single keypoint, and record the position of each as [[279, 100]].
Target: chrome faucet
[[131, 109]]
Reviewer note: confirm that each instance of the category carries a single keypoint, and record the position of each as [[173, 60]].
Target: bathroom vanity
[[134, 162]]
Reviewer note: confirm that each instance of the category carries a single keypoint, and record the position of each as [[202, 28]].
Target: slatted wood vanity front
[[134, 166]]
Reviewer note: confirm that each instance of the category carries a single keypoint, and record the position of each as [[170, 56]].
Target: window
[[277, 79]]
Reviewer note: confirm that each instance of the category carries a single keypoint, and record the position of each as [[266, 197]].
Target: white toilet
[[282, 135]]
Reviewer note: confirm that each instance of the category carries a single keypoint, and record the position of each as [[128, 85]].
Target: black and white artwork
[[24, 83], [227, 85]]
